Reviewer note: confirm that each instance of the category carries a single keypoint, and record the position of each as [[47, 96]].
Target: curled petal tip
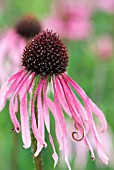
[[106, 161], [36, 154], [17, 129], [25, 146], [55, 157], [38, 151], [92, 158], [45, 145]]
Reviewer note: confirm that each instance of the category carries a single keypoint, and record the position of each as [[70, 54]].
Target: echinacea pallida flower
[[12, 43], [103, 47], [45, 58], [70, 19], [105, 5]]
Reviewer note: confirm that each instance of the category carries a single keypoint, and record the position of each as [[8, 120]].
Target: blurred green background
[[84, 67]]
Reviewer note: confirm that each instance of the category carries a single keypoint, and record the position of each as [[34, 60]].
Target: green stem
[[14, 152], [37, 160]]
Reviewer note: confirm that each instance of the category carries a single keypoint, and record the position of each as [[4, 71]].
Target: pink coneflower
[[12, 43], [103, 47], [105, 5], [44, 61], [70, 19]]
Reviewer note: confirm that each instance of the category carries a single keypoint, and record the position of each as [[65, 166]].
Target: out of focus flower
[[105, 5], [44, 61], [103, 47], [12, 43], [80, 151], [108, 141], [70, 19]]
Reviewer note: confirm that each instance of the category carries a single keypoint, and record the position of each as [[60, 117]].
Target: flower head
[[45, 55], [44, 61], [28, 26], [10, 53], [70, 19]]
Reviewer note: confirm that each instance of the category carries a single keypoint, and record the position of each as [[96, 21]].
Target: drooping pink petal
[[12, 106], [75, 115], [40, 119], [13, 115], [100, 115], [54, 155], [35, 129], [45, 108], [82, 94], [91, 122], [107, 139], [4, 93], [102, 154], [88, 103], [25, 123], [62, 99], [62, 122], [29, 83], [85, 99], [20, 84], [17, 81], [16, 104], [16, 75], [78, 111], [24, 116], [70, 99], [90, 148], [75, 102], [79, 150], [100, 147], [52, 108], [47, 122]]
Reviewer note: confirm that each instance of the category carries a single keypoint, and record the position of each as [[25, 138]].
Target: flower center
[[45, 54], [28, 26]]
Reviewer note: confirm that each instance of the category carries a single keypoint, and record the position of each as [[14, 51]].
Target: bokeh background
[[91, 65]]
